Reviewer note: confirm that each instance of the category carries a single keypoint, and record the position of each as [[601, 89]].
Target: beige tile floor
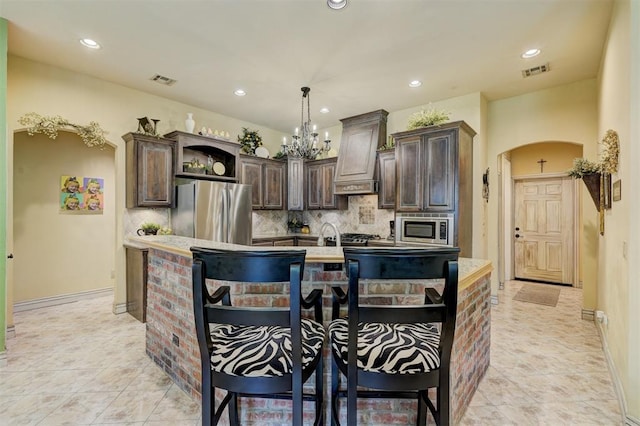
[[79, 364]]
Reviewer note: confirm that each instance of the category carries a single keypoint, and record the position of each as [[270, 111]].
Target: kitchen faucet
[[335, 230]]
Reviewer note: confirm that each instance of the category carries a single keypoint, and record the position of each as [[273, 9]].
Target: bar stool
[[394, 351], [266, 352]]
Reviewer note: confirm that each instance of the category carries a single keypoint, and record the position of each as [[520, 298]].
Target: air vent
[[536, 70], [160, 79]]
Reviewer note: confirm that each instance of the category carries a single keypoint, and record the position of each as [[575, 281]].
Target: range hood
[[362, 135]]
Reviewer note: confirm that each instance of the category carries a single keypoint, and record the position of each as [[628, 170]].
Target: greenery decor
[[582, 166], [91, 135], [427, 117], [250, 140], [150, 227]]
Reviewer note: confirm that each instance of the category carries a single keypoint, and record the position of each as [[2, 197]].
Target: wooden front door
[[544, 229]]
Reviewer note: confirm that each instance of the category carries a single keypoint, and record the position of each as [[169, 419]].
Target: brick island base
[[171, 339]]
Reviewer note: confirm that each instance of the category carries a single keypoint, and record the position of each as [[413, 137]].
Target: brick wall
[[172, 344]]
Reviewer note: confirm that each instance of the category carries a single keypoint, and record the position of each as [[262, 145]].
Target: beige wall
[[619, 256], [558, 156], [57, 253], [35, 87], [563, 114]]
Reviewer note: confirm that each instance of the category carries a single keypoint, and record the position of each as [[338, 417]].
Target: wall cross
[[541, 162]]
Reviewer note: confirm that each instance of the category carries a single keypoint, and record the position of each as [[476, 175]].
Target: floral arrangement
[[427, 117], [194, 166], [610, 151], [91, 135], [250, 140], [608, 158]]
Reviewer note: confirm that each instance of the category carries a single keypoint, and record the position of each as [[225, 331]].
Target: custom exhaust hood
[[362, 135]]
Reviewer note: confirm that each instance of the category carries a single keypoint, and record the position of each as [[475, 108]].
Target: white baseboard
[[119, 308], [589, 315], [60, 300], [617, 383]]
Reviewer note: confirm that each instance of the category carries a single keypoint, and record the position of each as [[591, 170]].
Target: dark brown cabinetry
[[285, 241], [223, 154], [307, 241], [362, 135], [319, 178], [149, 170], [137, 282], [387, 179], [268, 180], [434, 171]]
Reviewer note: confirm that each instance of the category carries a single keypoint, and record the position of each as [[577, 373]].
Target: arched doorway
[[59, 257], [530, 163]]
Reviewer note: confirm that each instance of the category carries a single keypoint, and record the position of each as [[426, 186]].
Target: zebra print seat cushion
[[261, 351], [389, 348]]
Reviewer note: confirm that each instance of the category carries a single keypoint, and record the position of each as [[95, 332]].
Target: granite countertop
[[469, 270]]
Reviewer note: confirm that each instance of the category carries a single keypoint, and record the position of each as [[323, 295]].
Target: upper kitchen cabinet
[[295, 184], [220, 154], [387, 179], [268, 180], [362, 135], [319, 177], [434, 168], [149, 170]]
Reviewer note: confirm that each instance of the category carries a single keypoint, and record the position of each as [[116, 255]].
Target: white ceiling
[[355, 60]]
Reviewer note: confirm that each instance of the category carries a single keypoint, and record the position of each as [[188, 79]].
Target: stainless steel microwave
[[424, 228]]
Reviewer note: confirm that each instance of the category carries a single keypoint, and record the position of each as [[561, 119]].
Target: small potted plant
[[148, 228]]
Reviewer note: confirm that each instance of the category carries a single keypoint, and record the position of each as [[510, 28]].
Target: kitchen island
[[171, 340]]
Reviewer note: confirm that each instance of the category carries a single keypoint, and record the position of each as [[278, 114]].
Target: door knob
[[517, 228], [517, 235], [10, 256]]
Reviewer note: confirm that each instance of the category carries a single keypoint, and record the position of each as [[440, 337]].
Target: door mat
[[540, 294]]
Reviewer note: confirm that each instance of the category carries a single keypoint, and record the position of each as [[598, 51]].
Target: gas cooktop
[[351, 239]]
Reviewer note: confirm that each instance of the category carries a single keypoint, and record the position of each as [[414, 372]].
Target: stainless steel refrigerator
[[210, 210]]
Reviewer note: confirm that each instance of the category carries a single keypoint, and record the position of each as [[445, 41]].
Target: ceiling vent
[[160, 79], [536, 70]]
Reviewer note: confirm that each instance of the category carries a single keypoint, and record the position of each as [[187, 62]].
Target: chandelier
[[304, 142]]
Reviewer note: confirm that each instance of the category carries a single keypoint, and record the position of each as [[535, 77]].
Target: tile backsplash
[[362, 216]]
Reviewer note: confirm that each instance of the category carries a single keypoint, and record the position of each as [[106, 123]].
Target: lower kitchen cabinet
[[307, 241], [137, 265], [288, 242]]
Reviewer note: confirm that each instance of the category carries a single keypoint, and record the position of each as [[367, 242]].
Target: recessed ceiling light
[[530, 53], [324, 110], [91, 44], [415, 83], [239, 92], [336, 4]]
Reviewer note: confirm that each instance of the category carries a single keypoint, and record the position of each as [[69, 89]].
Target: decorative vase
[[189, 123]]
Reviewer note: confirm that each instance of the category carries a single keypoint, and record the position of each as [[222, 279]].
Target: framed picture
[[616, 191]]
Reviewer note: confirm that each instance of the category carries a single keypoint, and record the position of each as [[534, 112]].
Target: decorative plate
[[218, 168], [262, 152]]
